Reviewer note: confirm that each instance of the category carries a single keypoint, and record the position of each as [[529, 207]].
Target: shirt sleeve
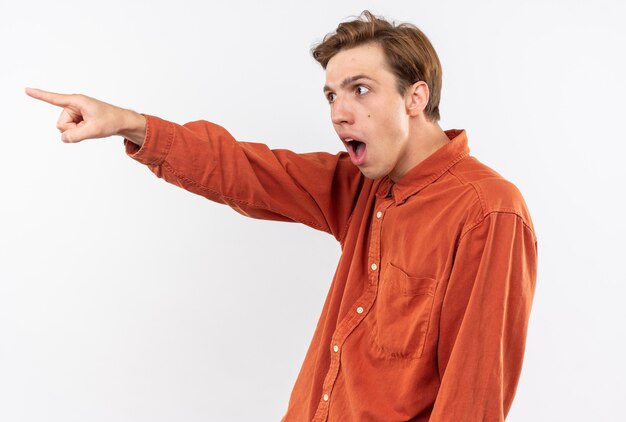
[[317, 189], [484, 320]]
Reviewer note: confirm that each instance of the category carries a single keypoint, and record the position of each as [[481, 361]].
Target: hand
[[87, 118]]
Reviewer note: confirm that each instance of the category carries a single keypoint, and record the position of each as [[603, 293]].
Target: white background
[[123, 298]]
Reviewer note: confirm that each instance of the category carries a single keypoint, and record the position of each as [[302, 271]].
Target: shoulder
[[493, 193]]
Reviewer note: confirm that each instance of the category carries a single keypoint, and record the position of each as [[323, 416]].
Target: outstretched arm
[[315, 189], [84, 117]]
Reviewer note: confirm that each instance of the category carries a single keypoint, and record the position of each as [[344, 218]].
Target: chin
[[373, 173]]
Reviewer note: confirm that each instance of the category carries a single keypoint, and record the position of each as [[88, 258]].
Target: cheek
[[396, 126], [395, 115]]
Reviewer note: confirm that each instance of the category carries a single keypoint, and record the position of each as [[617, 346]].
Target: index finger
[[61, 100]]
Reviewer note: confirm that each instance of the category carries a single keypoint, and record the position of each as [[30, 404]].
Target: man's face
[[367, 112]]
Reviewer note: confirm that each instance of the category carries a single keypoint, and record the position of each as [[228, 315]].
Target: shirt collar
[[428, 170]]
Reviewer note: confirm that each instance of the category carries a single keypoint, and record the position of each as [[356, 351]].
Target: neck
[[425, 138]]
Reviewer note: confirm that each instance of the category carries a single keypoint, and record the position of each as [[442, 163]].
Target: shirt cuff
[[156, 144]]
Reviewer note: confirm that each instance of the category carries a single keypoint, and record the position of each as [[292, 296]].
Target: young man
[[427, 314]]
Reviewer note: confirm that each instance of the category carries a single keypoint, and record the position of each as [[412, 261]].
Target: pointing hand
[[84, 117]]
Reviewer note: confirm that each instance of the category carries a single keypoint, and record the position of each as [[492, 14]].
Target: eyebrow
[[349, 80]]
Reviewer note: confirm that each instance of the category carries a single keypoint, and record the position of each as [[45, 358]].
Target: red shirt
[[427, 314]]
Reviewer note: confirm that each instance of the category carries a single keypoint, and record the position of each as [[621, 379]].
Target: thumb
[[76, 134]]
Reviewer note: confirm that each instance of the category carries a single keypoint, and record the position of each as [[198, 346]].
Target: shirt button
[[379, 214], [325, 397], [359, 310], [374, 267], [335, 348]]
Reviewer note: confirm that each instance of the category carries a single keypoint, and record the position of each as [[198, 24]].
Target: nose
[[341, 112]]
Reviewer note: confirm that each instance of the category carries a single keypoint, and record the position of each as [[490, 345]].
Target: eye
[[362, 89], [331, 96]]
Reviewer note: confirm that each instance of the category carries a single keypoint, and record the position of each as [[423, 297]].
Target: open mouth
[[356, 146], [356, 150]]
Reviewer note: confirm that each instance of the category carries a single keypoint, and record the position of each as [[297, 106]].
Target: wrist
[[133, 127]]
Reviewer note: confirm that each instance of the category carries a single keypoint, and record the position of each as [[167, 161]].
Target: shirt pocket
[[403, 311]]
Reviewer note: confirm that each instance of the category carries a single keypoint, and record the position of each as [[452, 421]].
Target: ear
[[416, 98]]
